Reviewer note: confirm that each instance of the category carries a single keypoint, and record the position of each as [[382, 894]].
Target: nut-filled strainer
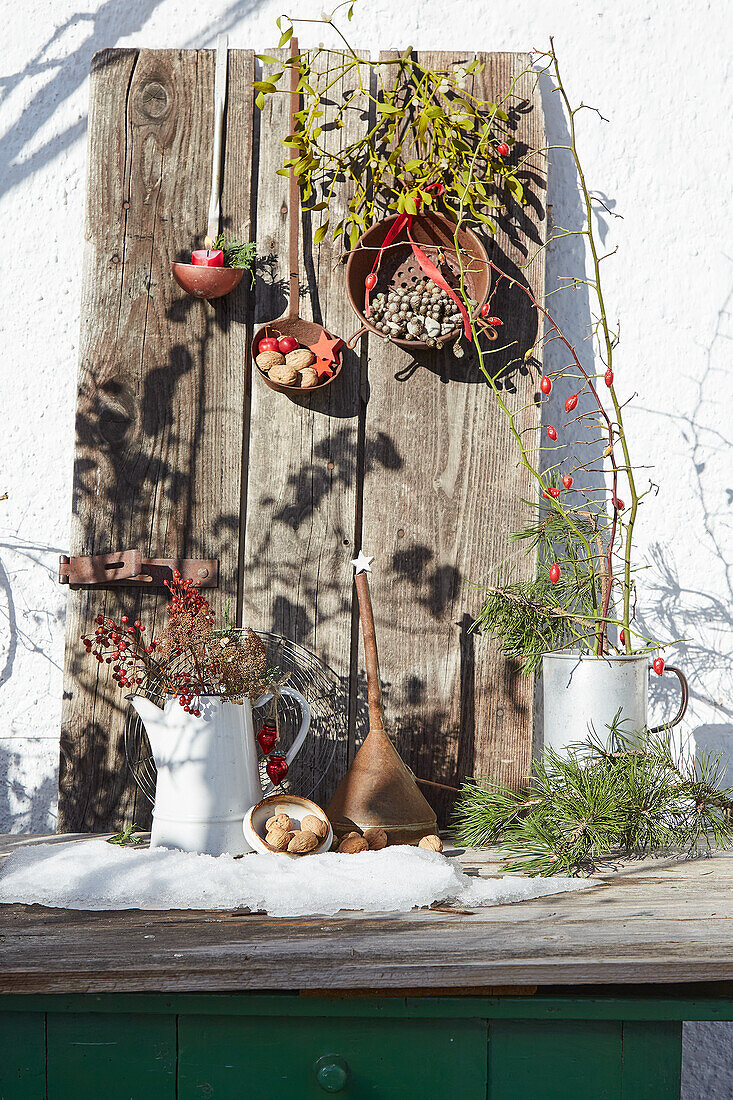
[[400, 271]]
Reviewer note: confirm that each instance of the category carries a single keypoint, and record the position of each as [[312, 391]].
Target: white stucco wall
[[659, 72]]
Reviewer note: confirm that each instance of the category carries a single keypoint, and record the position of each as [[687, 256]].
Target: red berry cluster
[[185, 597], [119, 645]]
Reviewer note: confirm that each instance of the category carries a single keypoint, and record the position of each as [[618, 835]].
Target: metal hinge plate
[[129, 567]]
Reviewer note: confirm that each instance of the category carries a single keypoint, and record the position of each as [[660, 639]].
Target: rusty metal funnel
[[378, 790]]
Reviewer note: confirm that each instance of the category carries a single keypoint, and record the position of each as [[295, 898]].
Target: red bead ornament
[[545, 384], [555, 493], [567, 481], [268, 343], [502, 149], [554, 572], [277, 768], [552, 433], [608, 377], [571, 403], [371, 281], [266, 737], [286, 344], [658, 665]]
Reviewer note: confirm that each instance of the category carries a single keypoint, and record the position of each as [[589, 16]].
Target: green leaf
[[267, 59], [410, 204], [388, 109], [354, 235], [338, 230], [412, 165], [350, 13], [427, 198], [320, 233], [283, 172], [285, 37], [260, 100], [263, 86]]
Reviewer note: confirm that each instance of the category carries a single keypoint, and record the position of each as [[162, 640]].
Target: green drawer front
[[273, 1058], [584, 1060], [22, 1056], [111, 1057]]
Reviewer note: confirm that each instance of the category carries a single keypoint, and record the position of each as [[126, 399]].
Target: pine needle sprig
[[237, 254], [636, 795]]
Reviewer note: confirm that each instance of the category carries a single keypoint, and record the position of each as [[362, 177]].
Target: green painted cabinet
[[286, 1047]]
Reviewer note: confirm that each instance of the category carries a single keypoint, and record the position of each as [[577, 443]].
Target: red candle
[[207, 257]]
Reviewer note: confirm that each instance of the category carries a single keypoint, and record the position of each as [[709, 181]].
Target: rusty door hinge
[[129, 567]]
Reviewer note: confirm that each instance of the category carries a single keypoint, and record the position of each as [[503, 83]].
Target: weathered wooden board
[[161, 402], [666, 921], [176, 455], [442, 518], [303, 484]]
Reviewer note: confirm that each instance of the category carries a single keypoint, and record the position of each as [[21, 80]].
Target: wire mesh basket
[[301, 669]]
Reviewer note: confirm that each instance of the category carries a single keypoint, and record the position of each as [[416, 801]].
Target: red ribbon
[[404, 221]]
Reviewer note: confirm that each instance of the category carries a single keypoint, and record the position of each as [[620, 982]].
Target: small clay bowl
[[206, 282], [296, 808], [305, 332]]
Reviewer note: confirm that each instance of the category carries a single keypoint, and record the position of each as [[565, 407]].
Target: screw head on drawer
[[332, 1073]]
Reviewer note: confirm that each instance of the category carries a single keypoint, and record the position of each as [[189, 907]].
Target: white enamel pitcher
[[208, 776]]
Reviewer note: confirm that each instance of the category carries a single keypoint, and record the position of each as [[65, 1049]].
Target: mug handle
[[685, 687], [305, 724]]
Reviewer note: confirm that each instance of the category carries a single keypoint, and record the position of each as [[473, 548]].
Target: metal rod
[[220, 95]]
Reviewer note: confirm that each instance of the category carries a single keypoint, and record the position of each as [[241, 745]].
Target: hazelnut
[[352, 844], [376, 839], [266, 360], [303, 841], [282, 821], [278, 838], [300, 358], [284, 375], [431, 843], [308, 378], [315, 825]]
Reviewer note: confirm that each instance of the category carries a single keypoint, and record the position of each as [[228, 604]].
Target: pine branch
[[629, 797]]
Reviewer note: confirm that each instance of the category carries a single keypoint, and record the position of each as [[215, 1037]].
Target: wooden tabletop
[[654, 921]]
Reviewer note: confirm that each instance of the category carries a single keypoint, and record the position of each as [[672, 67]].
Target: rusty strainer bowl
[[305, 332], [399, 267]]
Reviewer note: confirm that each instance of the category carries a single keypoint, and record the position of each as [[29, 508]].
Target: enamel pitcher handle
[[305, 724], [683, 702]]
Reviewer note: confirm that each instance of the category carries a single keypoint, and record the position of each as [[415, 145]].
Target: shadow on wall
[[28, 807], [113, 20]]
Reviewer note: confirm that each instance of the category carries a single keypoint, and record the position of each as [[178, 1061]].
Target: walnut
[[315, 825], [302, 842], [281, 820], [284, 375], [266, 360], [353, 843], [431, 843], [300, 358], [308, 378], [376, 839], [278, 838]]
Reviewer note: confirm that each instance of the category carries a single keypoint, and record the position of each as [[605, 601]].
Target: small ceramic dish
[[296, 808]]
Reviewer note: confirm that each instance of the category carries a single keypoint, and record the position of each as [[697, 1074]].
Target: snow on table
[[100, 876]]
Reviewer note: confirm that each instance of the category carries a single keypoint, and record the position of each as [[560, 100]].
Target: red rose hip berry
[[551, 432], [608, 378], [371, 281], [554, 493], [545, 384], [658, 665], [502, 149], [554, 572], [567, 481], [571, 403]]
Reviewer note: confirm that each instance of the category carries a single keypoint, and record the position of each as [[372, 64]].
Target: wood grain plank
[[442, 520], [303, 452], [651, 923], [161, 398]]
